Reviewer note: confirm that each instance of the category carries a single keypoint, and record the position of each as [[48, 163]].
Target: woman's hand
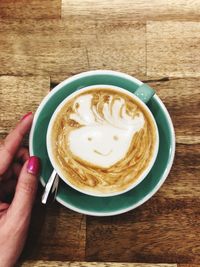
[[18, 177]]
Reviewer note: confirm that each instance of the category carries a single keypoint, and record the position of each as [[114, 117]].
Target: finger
[[22, 154], [9, 147], [3, 206], [25, 190]]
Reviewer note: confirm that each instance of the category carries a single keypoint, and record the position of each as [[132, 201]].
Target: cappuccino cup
[[103, 140]]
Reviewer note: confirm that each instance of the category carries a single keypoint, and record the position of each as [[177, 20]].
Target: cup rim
[[57, 168], [172, 134]]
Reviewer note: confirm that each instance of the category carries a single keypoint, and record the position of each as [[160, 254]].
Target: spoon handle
[[48, 187]]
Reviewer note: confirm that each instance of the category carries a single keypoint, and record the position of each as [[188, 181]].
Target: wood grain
[[90, 264], [182, 98], [56, 233], [173, 49], [132, 10], [119, 46], [30, 47], [183, 180], [37, 9], [164, 229], [19, 95]]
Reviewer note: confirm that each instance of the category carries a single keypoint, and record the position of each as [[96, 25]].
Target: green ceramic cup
[[142, 95], [105, 206]]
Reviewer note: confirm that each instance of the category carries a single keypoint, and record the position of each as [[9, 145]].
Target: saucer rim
[[165, 173]]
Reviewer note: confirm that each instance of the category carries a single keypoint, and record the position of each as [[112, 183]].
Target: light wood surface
[[78, 46], [37, 9], [44, 42], [19, 95], [132, 10], [37, 51], [173, 48]]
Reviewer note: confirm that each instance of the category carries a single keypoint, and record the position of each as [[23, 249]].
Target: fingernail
[[26, 115], [33, 165]]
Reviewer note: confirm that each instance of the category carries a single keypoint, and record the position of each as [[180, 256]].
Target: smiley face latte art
[[103, 140]]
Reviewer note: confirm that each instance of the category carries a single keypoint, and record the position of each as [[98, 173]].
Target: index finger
[[9, 147]]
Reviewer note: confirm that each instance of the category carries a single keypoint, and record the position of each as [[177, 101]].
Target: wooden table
[[157, 41]]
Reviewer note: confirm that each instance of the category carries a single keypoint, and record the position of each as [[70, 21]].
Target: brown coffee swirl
[[103, 140]]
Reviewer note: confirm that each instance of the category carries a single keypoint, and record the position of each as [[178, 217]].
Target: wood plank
[[29, 47], [19, 95], [119, 46], [132, 10], [23, 9], [90, 264], [56, 233], [173, 49], [164, 229], [182, 98], [183, 180], [188, 265]]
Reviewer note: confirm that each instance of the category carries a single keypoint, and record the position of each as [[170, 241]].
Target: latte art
[[106, 132], [102, 140]]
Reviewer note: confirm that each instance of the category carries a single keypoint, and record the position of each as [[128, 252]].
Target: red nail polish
[[33, 165], [26, 115]]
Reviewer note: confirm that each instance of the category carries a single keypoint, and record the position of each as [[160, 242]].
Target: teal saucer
[[103, 206]]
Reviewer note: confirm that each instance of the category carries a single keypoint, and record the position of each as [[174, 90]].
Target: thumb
[[25, 190]]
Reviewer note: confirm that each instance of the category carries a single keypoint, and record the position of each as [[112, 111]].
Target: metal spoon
[[51, 184]]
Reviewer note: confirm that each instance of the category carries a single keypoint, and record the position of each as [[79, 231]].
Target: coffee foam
[[103, 140]]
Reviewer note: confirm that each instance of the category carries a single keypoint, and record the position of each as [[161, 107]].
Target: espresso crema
[[103, 140]]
